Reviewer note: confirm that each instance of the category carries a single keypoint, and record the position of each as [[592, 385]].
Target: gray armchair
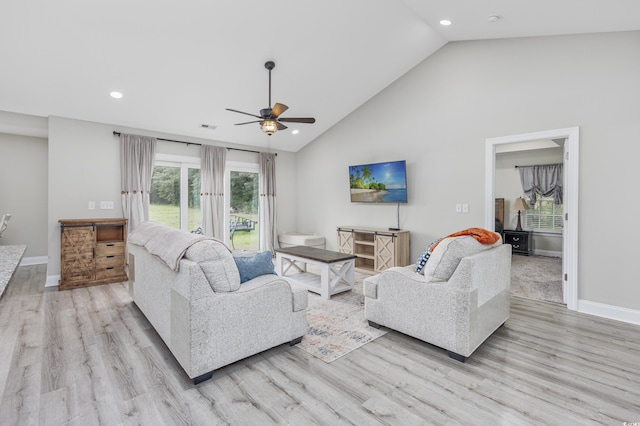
[[458, 313]]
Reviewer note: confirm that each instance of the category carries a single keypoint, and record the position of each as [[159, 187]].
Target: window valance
[[545, 180]]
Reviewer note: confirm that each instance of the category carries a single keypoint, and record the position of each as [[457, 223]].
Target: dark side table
[[520, 241]]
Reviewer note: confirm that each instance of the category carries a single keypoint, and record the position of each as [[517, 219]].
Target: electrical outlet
[[465, 208], [458, 208]]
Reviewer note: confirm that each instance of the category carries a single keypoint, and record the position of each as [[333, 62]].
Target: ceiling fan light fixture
[[269, 127], [269, 118]]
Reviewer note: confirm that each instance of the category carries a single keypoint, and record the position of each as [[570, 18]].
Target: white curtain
[[267, 201], [212, 163], [136, 167]]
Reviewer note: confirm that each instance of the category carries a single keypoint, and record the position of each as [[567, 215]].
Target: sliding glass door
[[242, 186], [175, 192]]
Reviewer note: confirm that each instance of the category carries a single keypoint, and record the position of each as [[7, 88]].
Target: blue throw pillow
[[251, 267], [424, 257]]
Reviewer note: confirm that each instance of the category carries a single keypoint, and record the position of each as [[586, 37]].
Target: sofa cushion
[[447, 255], [216, 263], [254, 266]]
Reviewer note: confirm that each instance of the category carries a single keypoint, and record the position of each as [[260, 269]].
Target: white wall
[[23, 191], [438, 117], [84, 165]]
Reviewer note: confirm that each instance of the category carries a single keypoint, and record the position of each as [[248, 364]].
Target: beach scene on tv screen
[[378, 183]]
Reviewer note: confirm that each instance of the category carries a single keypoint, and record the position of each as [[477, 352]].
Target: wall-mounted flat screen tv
[[379, 182]]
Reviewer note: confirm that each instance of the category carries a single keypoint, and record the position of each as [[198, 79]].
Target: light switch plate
[[92, 205]]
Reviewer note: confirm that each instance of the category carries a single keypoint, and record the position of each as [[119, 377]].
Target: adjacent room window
[[175, 192], [242, 181], [544, 215]]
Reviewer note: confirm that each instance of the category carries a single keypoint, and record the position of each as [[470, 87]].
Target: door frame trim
[[570, 194]]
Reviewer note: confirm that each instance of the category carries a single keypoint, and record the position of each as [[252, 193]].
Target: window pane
[[194, 199], [244, 231], [165, 196], [544, 215]]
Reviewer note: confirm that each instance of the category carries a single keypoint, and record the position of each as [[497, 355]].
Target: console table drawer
[[110, 272], [109, 261], [110, 249]]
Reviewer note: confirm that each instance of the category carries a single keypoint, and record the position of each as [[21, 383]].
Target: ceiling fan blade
[[249, 122], [242, 112], [278, 109], [308, 120], [281, 126]]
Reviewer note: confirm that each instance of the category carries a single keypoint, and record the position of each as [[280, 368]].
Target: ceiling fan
[[269, 118]]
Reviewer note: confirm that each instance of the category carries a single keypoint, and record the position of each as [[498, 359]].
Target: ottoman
[[294, 239]]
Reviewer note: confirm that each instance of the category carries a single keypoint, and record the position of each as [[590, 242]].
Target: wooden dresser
[[92, 251]]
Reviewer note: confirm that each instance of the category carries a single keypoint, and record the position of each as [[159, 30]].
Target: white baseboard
[[52, 281], [547, 253], [609, 311], [36, 260]]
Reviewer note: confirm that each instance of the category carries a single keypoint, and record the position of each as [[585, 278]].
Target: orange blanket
[[481, 235]]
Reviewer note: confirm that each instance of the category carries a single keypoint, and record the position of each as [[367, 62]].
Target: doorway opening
[[570, 228]]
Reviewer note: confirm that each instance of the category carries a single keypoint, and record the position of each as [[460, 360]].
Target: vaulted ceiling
[[180, 64]]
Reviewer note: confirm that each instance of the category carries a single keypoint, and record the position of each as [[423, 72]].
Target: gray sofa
[[202, 312], [460, 300]]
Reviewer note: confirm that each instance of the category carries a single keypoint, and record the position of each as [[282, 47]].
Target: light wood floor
[[89, 357]]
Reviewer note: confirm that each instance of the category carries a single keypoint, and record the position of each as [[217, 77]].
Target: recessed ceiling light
[[493, 18], [116, 95], [295, 132], [445, 22]]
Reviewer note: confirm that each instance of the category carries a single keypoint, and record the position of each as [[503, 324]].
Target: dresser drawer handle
[[516, 238], [110, 267], [109, 257], [110, 245], [516, 246]]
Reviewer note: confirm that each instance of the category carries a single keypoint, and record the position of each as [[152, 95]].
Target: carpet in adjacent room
[[537, 278]]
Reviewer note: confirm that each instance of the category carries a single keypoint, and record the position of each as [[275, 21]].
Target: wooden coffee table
[[336, 269]]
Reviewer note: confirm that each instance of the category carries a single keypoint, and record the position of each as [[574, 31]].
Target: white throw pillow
[[447, 255]]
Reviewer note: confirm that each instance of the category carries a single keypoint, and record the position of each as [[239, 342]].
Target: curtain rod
[[538, 165], [115, 133]]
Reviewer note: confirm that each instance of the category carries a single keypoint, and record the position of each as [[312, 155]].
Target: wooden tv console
[[375, 249]]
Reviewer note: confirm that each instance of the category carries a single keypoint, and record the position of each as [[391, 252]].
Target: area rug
[[537, 278], [337, 326]]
